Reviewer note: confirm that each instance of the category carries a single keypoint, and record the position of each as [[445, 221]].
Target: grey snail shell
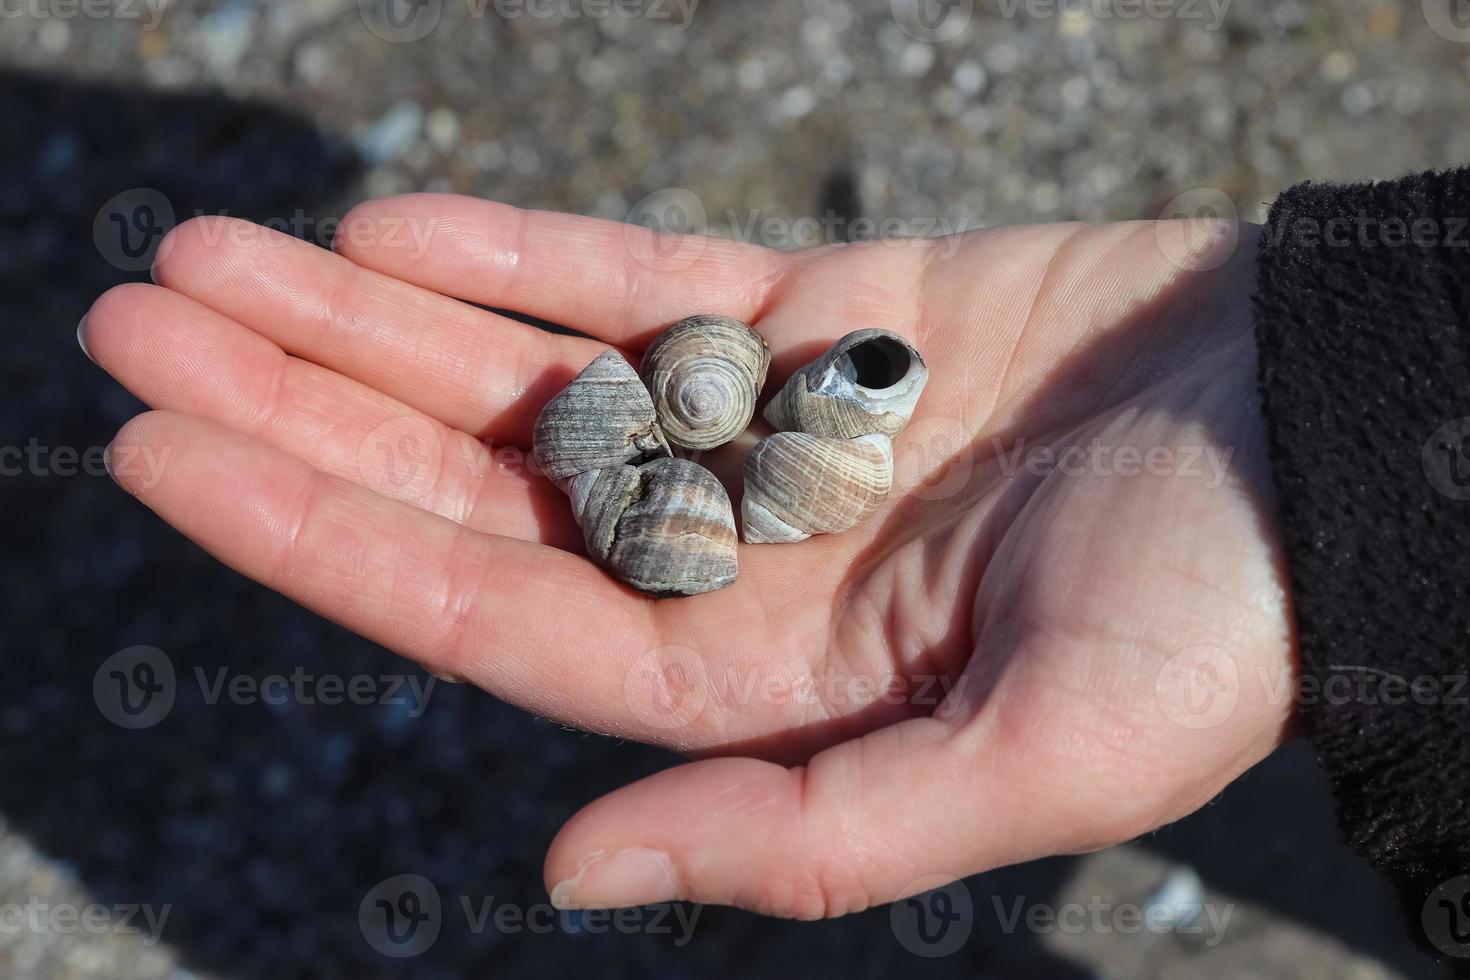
[[868, 382], [663, 525], [704, 374], [666, 527], [798, 484], [602, 418]]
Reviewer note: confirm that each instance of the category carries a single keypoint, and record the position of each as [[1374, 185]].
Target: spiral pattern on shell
[[665, 528], [797, 485], [664, 524], [704, 374], [602, 418]]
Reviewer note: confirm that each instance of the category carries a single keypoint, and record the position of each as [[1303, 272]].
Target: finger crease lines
[[310, 496], [269, 412], [1047, 274], [477, 482], [338, 318], [440, 500], [921, 292], [459, 603]]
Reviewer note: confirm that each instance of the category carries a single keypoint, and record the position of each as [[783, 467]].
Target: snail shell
[[665, 528], [797, 485], [868, 382], [602, 418], [704, 374]]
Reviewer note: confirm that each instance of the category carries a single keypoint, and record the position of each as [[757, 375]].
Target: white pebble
[[797, 102], [916, 60], [969, 78], [443, 129]]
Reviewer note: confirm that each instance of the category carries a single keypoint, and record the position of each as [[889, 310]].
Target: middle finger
[[471, 369], [175, 354]]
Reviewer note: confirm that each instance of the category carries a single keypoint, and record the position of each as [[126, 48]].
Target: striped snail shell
[[602, 418], [797, 485], [705, 373], [868, 382], [665, 527]]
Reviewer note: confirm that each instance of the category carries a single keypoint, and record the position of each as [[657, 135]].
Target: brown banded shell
[[797, 485], [704, 374], [602, 418], [868, 382], [665, 528]]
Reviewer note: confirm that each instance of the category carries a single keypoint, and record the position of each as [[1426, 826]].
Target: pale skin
[[979, 675]]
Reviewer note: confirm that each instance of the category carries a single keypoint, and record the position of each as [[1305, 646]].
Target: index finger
[[539, 627], [618, 282]]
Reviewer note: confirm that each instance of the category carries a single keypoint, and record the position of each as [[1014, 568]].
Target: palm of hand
[[1003, 664]]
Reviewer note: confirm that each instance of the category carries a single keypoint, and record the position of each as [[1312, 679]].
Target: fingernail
[[633, 876], [82, 339]]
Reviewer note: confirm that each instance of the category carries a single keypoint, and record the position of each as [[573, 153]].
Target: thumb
[[865, 822]]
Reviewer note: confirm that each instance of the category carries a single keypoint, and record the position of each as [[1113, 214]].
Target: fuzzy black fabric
[[1363, 328]]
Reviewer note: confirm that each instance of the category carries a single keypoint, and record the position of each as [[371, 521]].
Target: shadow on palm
[[1154, 356]]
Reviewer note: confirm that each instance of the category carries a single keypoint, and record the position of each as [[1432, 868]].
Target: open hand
[[1004, 663]]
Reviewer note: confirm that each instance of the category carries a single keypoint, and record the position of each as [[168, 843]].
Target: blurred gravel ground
[[1025, 118], [262, 829]]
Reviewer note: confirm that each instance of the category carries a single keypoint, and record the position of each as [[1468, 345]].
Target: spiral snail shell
[[663, 524], [665, 527], [868, 382], [602, 418], [704, 374], [798, 484]]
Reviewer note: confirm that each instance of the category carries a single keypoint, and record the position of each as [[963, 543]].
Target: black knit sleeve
[[1363, 328]]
